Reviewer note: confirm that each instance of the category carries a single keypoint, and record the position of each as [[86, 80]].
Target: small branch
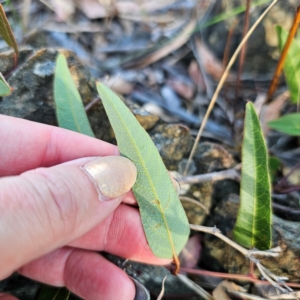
[[290, 189], [162, 292], [270, 276], [276, 281], [247, 296], [242, 277], [283, 181], [285, 209], [283, 56], [214, 176], [196, 288], [198, 203], [91, 104]]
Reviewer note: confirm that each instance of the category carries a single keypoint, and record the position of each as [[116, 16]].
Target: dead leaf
[[195, 75], [259, 102], [93, 9], [6, 32], [292, 178], [64, 9], [220, 292], [272, 111], [171, 46], [120, 85], [212, 65], [183, 89], [191, 253]]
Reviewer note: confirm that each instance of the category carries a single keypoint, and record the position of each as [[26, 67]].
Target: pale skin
[[52, 236]]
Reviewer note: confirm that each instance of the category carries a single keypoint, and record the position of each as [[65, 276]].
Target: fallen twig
[[198, 203], [196, 288], [276, 281], [283, 56], [214, 176]]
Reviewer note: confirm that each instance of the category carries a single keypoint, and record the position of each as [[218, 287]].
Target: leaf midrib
[[147, 174]]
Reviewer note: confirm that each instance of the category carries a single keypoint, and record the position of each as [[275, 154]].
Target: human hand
[[51, 218]]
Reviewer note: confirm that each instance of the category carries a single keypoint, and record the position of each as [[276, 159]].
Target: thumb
[[46, 208]]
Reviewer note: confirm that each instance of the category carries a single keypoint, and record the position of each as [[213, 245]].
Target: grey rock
[[211, 157], [173, 142], [32, 96]]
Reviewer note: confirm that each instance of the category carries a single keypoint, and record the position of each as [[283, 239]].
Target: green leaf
[[253, 224], [70, 111], [5, 89], [53, 293], [289, 124], [164, 220], [6, 32], [274, 167], [292, 63]]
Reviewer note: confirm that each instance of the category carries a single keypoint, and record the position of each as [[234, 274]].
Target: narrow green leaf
[[5, 89], [53, 293], [6, 32], [164, 220], [289, 124], [70, 111], [291, 65], [253, 224]]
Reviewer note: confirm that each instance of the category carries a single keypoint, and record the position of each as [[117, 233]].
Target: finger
[[87, 274], [28, 145], [47, 208], [122, 234], [7, 297]]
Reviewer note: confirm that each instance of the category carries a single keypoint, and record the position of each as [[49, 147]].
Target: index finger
[[27, 145]]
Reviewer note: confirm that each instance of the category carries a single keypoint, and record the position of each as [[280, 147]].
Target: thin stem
[[283, 56], [214, 176], [222, 81], [272, 278]]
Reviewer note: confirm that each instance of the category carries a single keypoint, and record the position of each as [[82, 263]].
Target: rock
[[32, 84], [220, 257], [194, 212], [211, 157], [20, 287], [146, 119], [173, 142], [7, 59], [32, 97]]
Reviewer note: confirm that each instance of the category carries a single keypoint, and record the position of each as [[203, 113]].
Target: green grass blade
[[164, 220], [53, 293], [5, 89], [291, 66], [253, 224], [70, 111], [289, 124], [6, 32]]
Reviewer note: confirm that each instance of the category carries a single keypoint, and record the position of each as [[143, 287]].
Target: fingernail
[[112, 175]]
